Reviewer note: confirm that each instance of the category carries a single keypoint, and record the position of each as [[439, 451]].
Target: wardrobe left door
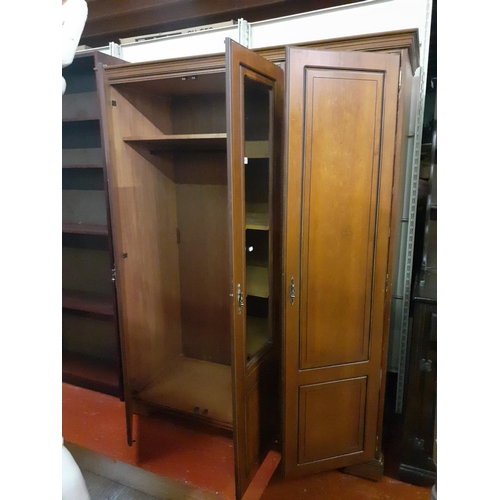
[[112, 160], [143, 200]]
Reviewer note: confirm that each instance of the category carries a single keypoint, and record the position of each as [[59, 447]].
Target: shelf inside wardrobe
[[257, 262], [257, 335], [193, 387], [257, 217], [181, 142], [257, 149], [258, 281]]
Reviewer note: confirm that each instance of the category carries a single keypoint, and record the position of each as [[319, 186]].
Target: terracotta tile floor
[[336, 485], [97, 422]]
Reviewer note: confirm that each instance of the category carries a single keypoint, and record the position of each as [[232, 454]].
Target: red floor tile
[[203, 460], [181, 452], [335, 485]]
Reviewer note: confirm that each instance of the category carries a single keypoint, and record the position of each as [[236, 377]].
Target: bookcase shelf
[[88, 302], [91, 373], [82, 158], [80, 106], [73, 228], [90, 338]]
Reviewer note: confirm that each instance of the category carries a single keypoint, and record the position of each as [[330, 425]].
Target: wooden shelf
[[257, 220], [88, 302], [257, 334], [90, 373], [257, 149], [193, 142], [97, 229], [82, 158], [190, 383], [258, 281], [80, 106], [82, 166]]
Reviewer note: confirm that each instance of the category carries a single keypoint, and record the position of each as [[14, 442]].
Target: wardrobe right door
[[340, 144]]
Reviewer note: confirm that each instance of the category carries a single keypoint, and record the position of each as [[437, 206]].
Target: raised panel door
[[341, 121]]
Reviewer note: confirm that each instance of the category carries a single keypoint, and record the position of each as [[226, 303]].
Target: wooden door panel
[[331, 419], [252, 427], [104, 90], [341, 117], [338, 226], [255, 375]]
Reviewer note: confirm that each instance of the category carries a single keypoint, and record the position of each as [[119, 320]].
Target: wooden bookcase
[[90, 340]]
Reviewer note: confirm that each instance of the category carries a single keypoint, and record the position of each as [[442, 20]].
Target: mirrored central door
[[254, 105], [258, 202]]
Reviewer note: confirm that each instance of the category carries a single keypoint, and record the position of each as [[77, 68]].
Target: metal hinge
[[178, 236], [386, 282], [243, 33], [240, 299], [292, 291], [376, 444], [113, 274], [417, 444], [399, 81], [426, 365]]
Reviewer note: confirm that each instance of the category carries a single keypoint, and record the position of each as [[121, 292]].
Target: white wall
[[372, 16], [203, 43]]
